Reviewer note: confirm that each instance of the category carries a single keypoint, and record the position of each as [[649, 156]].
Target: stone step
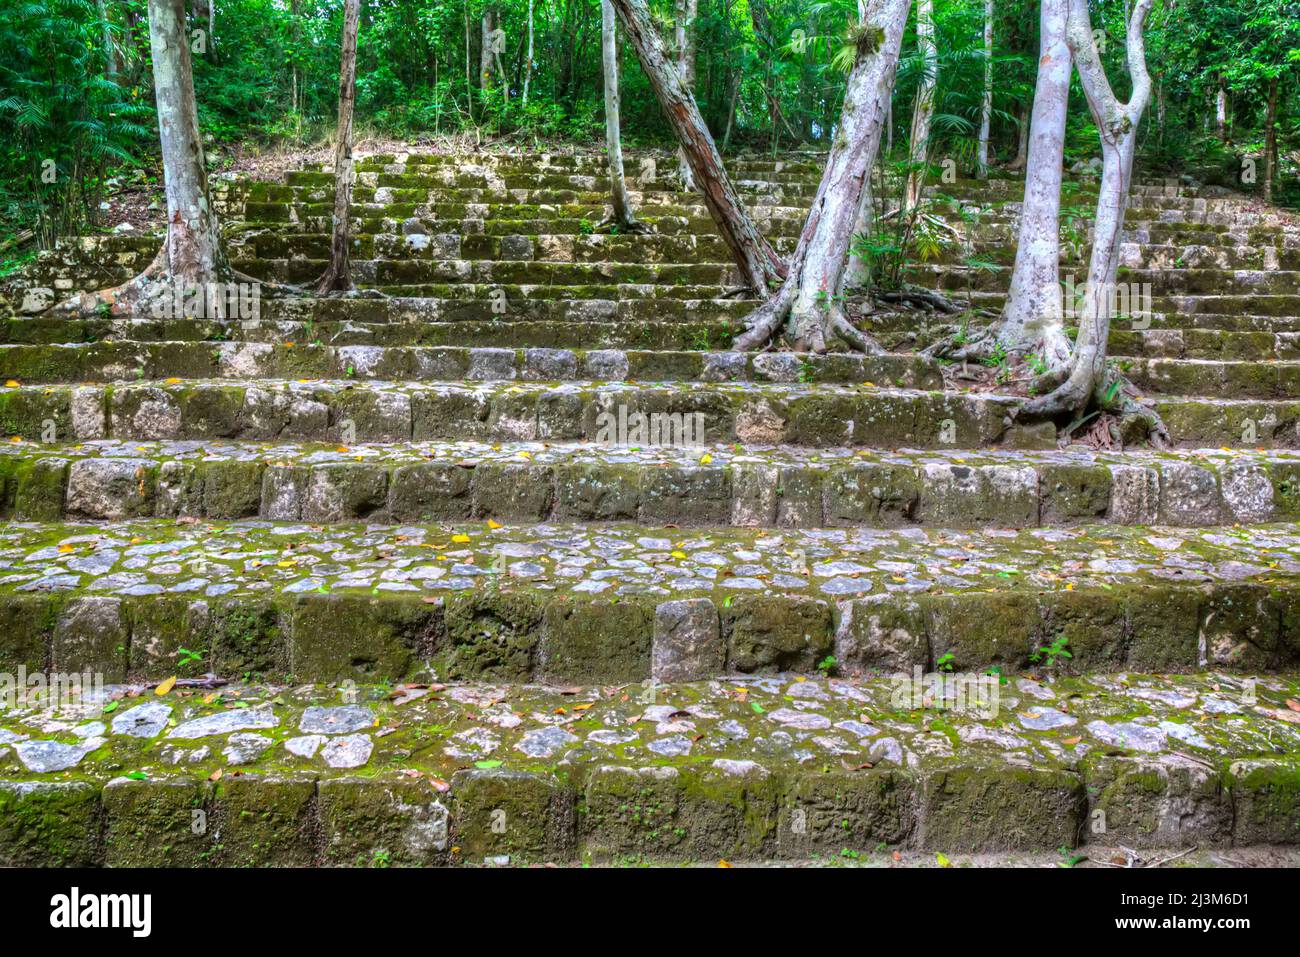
[[1205, 344], [133, 361], [630, 333], [819, 415], [753, 769], [1165, 284], [656, 472], [388, 273], [572, 603], [1251, 379]]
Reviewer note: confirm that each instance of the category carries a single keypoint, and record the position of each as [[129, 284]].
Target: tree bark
[[1117, 124], [923, 109], [808, 305], [1270, 141], [485, 51], [986, 102], [1221, 111], [621, 215], [338, 275], [528, 64], [1031, 317], [110, 53], [686, 11], [759, 265], [857, 271]]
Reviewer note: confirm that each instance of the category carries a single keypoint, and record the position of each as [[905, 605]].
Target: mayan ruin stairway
[[519, 563]]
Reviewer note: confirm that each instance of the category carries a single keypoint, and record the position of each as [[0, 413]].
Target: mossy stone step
[[1205, 344], [656, 473], [568, 603], [821, 415], [758, 769], [132, 361]]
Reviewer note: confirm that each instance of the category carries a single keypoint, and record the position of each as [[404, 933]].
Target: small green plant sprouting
[[1068, 857], [827, 665], [1049, 655], [586, 227], [945, 661], [187, 657]]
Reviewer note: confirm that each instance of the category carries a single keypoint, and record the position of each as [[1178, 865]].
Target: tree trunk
[[759, 265], [809, 304], [857, 271], [1117, 124], [1031, 318], [528, 64], [923, 109], [338, 275], [686, 10], [621, 215], [110, 54], [1270, 141], [1221, 111], [485, 51], [986, 102], [191, 258]]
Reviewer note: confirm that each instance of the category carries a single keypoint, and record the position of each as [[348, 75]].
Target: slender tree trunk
[[338, 275], [1270, 141], [686, 10], [986, 102], [731, 111], [808, 306], [621, 215], [485, 51], [110, 53], [528, 64], [1032, 316], [759, 265], [1221, 111], [1117, 124], [923, 109]]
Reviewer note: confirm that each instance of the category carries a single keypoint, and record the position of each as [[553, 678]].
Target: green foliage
[[64, 124]]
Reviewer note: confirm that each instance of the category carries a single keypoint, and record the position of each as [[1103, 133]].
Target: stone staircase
[[519, 563]]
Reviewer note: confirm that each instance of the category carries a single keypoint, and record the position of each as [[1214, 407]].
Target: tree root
[[916, 296], [1114, 400], [773, 318], [632, 226]]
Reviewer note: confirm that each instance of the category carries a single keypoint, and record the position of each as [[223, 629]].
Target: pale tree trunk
[[1221, 111], [528, 65], [1270, 141], [621, 215], [759, 265], [1117, 125], [808, 305], [338, 275], [191, 256], [986, 103], [485, 51], [923, 109], [110, 54], [1031, 318], [686, 10]]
